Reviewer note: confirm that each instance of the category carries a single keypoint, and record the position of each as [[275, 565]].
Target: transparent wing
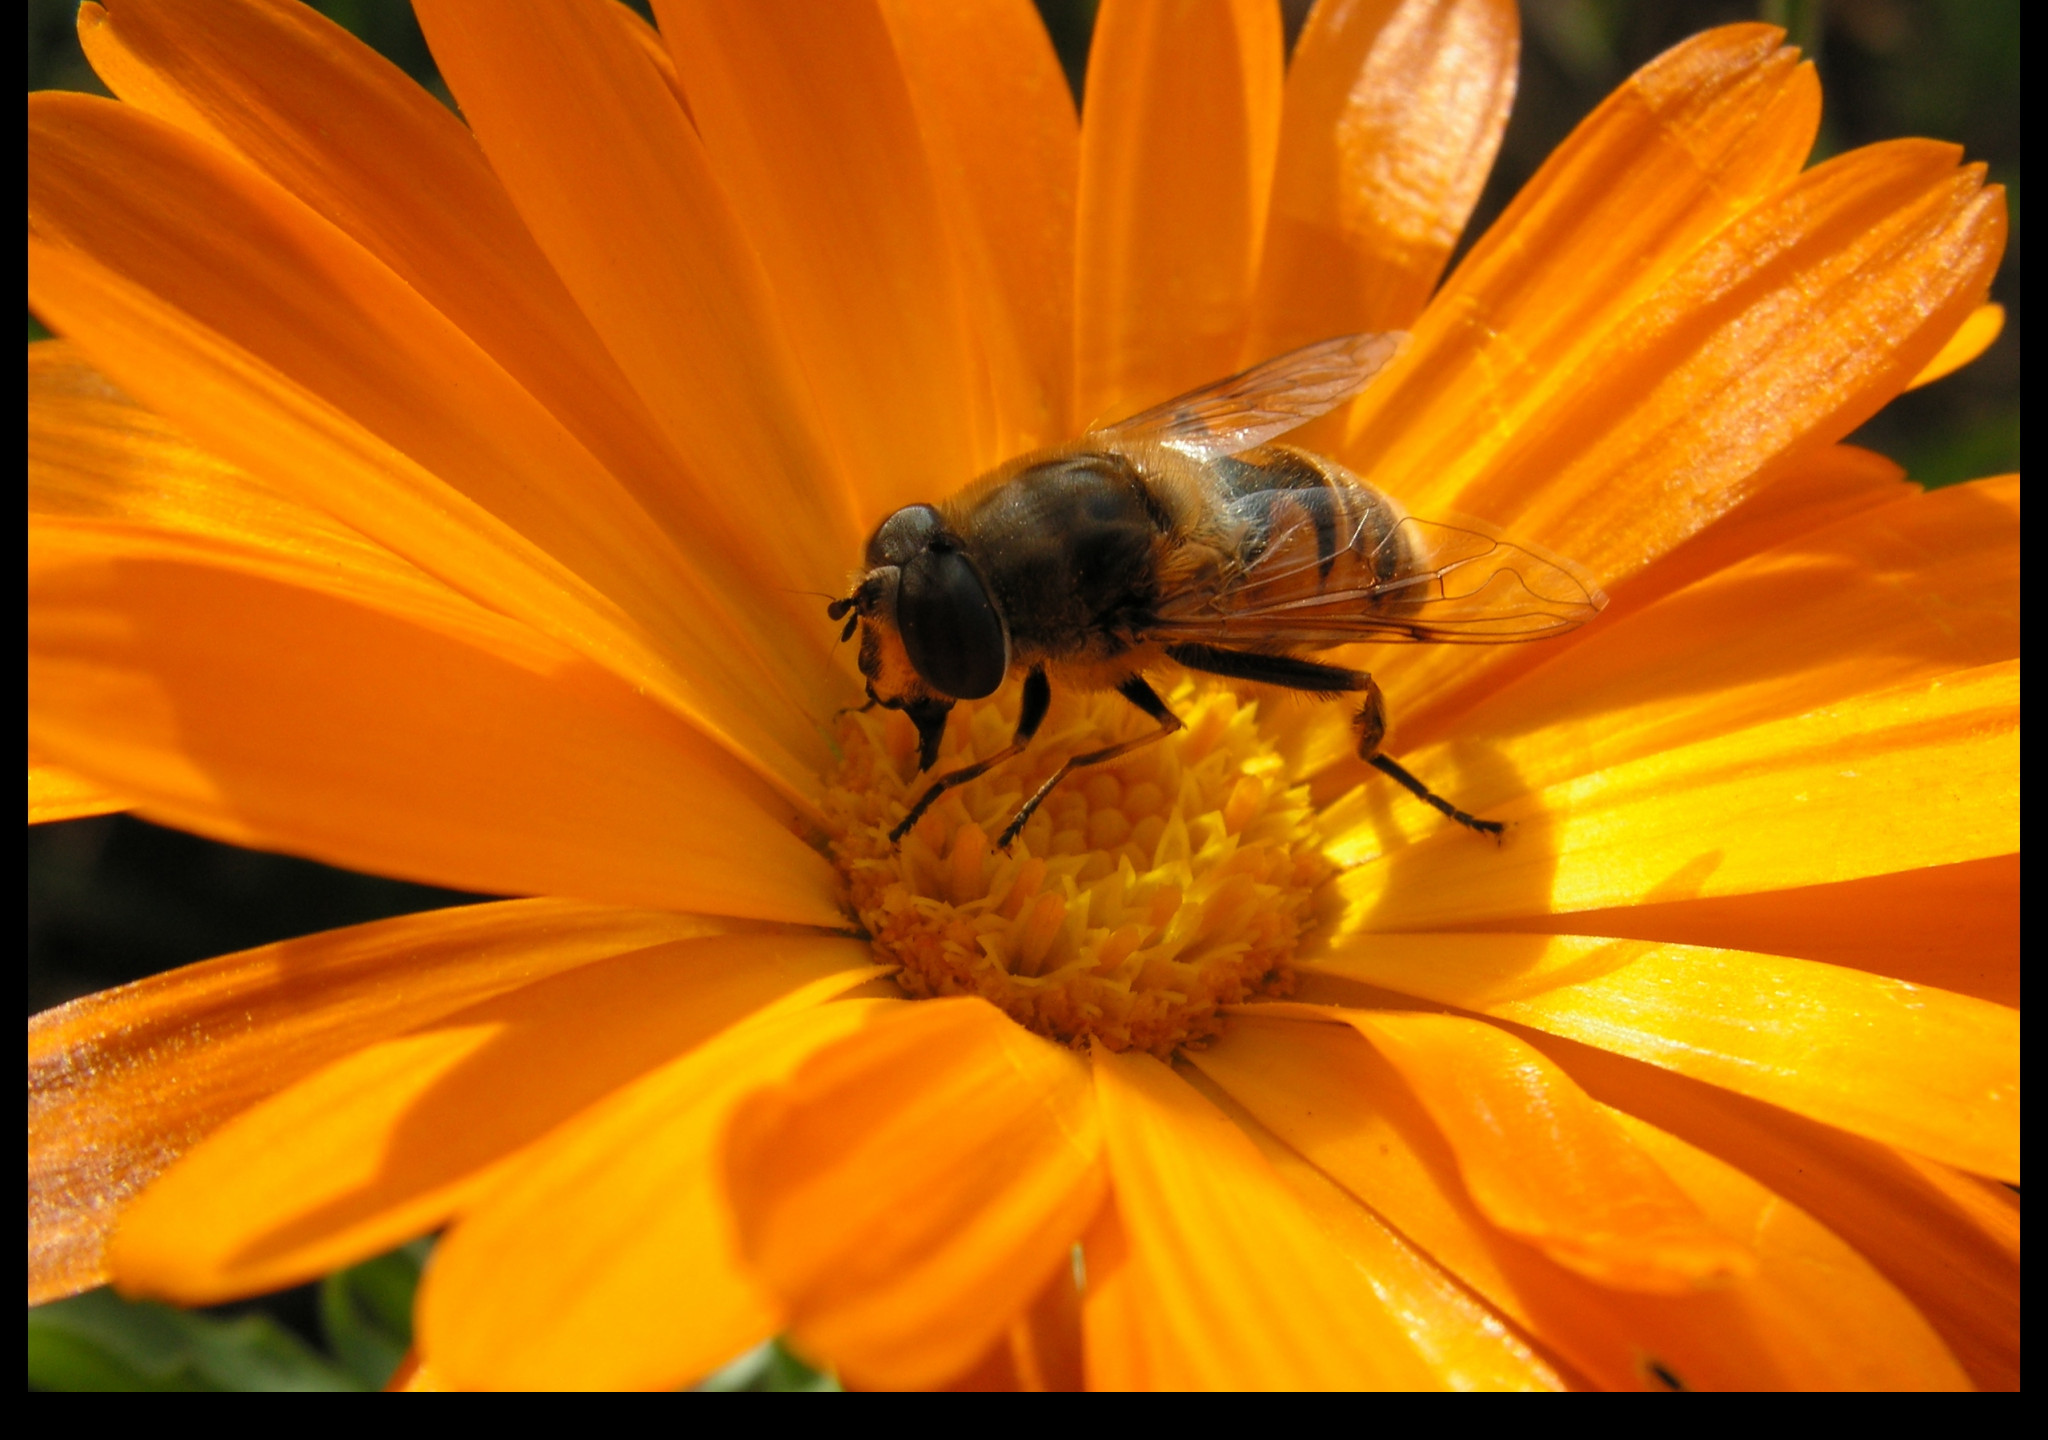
[[1311, 581], [1266, 401]]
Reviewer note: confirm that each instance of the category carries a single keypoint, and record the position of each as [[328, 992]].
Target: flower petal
[[1925, 1069], [1953, 927], [1116, 1309], [391, 1140], [616, 188], [1903, 1349], [605, 1259], [1971, 339], [1544, 1162], [266, 714], [1681, 824], [247, 411], [1948, 1241], [1803, 316], [1179, 129], [1437, 684], [107, 477], [406, 181], [1905, 592], [55, 793], [233, 258], [1239, 1287], [123, 1082], [1690, 141], [1042, 1349], [1815, 1316], [809, 128], [1467, 1342], [909, 1190], [1775, 338], [1392, 117], [999, 124]]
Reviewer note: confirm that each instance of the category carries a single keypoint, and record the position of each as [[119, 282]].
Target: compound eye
[[902, 535], [951, 629]]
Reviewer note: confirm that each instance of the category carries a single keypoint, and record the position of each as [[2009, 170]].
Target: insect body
[[1184, 534]]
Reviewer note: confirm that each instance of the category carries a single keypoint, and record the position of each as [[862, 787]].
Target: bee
[[1184, 534]]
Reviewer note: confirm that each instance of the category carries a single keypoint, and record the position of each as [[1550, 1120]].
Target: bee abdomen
[[1352, 523]]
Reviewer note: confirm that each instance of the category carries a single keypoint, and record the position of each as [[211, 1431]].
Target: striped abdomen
[[1307, 528]]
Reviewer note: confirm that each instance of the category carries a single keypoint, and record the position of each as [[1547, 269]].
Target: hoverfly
[[1184, 534]]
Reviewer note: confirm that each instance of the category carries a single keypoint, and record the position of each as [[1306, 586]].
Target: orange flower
[[454, 502]]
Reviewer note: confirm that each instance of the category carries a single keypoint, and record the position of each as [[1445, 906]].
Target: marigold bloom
[[453, 502]]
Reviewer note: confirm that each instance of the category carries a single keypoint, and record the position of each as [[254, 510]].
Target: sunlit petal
[[1954, 927], [1815, 1315], [1470, 1344], [1392, 117], [1949, 1242], [1543, 1162], [396, 1137], [901, 1241], [109, 477], [123, 1082], [239, 408], [1929, 1070], [1238, 1285], [1179, 131], [268, 714], [55, 793], [999, 125], [568, 1274], [404, 179], [1683, 824], [1971, 339], [810, 131], [1436, 684], [1701, 133], [615, 185], [1924, 586]]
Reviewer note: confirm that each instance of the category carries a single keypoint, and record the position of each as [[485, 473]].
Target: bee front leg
[[1139, 694], [1030, 715]]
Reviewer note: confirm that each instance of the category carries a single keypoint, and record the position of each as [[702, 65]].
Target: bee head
[[930, 632]]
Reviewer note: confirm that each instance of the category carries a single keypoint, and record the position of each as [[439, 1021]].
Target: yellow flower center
[[1140, 898]]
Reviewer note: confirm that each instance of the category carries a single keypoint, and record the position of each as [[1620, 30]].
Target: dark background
[[112, 898]]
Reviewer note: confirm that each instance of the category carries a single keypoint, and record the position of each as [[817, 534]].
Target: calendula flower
[[457, 499]]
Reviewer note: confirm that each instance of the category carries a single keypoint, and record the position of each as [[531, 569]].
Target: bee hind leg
[[1398, 773], [1139, 694], [1371, 724], [1316, 678], [1030, 715]]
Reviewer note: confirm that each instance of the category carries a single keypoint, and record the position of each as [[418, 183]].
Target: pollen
[[1141, 897]]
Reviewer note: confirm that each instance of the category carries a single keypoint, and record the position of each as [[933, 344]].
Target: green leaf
[[366, 1313], [771, 1365], [98, 1341]]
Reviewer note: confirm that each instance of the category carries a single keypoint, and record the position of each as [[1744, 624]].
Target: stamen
[[1139, 900]]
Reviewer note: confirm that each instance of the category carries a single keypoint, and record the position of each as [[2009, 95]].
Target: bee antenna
[[837, 609]]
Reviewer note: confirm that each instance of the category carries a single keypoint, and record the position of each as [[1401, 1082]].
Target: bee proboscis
[[1184, 534]]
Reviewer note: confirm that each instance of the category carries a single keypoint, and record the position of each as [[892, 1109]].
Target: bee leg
[[1139, 694], [1371, 724], [1319, 679], [1030, 715], [1398, 773]]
